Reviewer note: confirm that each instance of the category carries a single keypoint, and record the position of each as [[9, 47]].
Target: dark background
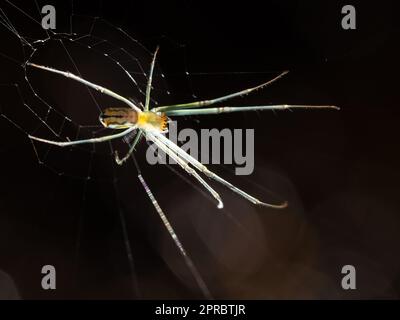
[[338, 170]]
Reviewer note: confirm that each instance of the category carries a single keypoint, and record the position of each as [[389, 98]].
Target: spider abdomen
[[119, 118]]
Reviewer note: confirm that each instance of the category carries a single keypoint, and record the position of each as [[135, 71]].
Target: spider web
[[53, 107], [52, 101]]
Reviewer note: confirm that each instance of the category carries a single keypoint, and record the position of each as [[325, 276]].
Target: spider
[[152, 123]]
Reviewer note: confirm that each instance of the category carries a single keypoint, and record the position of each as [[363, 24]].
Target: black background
[[338, 170]]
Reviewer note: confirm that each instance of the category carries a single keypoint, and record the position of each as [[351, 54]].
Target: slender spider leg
[[131, 149], [146, 108], [202, 168], [205, 103], [198, 278], [184, 165], [218, 110], [87, 83], [92, 140], [137, 139], [148, 88]]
